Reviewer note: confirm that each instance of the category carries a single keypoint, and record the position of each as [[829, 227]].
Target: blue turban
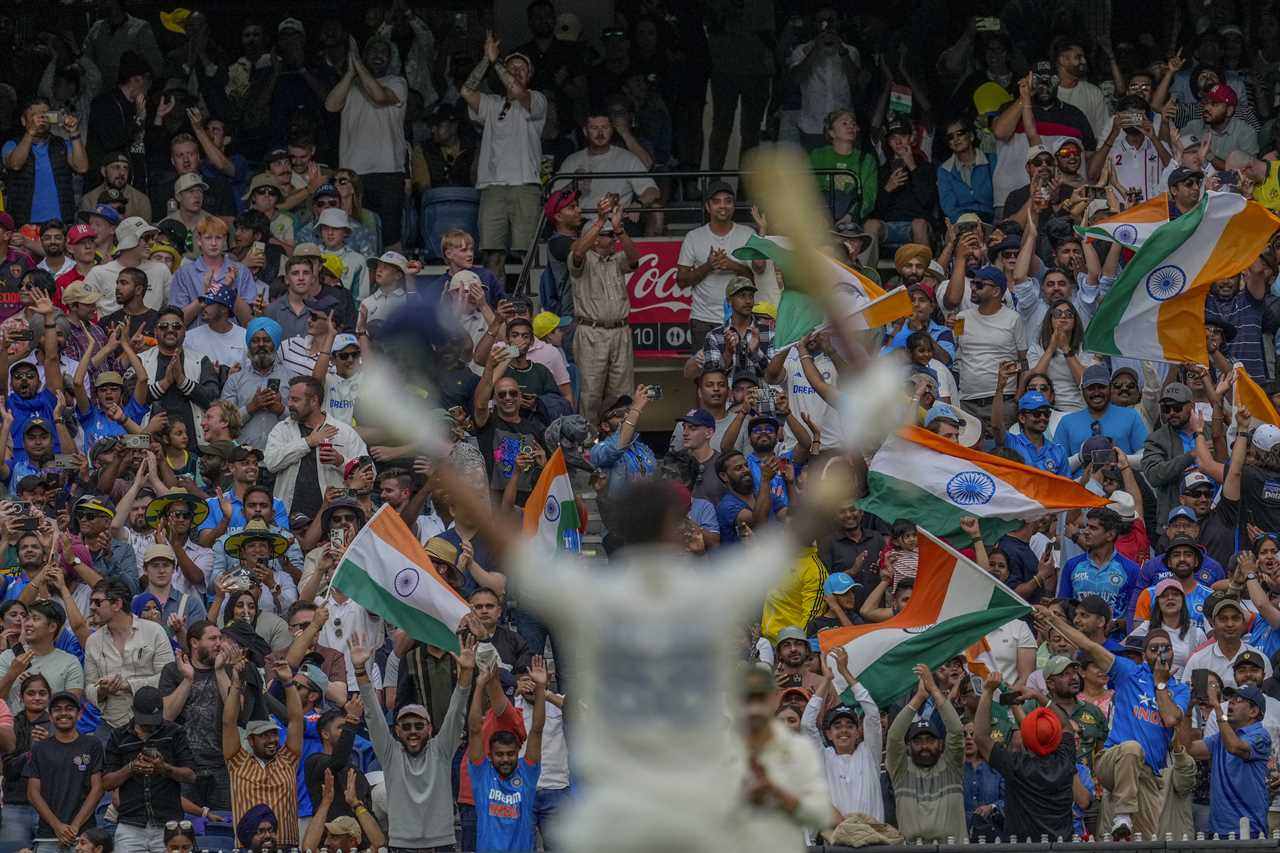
[[263, 324], [253, 818]]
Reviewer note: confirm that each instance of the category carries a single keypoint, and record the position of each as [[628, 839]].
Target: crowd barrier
[[1153, 845]]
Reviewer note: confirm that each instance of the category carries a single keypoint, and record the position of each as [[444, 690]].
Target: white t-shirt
[[1066, 388], [803, 400], [340, 395], [616, 159], [826, 88], [219, 347], [102, 279], [946, 382], [708, 295], [1211, 657], [1136, 168], [511, 145], [555, 751], [371, 138], [380, 304], [1005, 642], [987, 341]]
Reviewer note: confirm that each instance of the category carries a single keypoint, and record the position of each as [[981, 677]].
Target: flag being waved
[[1131, 228], [387, 572], [955, 603], [920, 476], [1155, 310], [551, 513], [1250, 395]]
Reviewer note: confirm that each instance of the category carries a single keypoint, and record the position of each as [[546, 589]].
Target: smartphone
[[28, 524], [1131, 118], [814, 646], [987, 25], [337, 537], [21, 335], [54, 117], [1199, 685], [1103, 457], [65, 461], [141, 441], [1228, 178], [655, 392], [259, 246], [512, 351], [1095, 192], [273, 385], [965, 227]]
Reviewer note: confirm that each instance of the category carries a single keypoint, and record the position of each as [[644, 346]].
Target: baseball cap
[[1183, 173], [763, 419], [1249, 693], [558, 201], [188, 181], [922, 726], [847, 712], [78, 233], [148, 707], [291, 24], [1056, 665], [1096, 374], [316, 676], [64, 696], [321, 304], [325, 190], [791, 632], [353, 464], [105, 211], [80, 292], [1248, 657], [1166, 584], [413, 710], [1224, 603], [219, 296], [37, 423], [260, 727], [943, 412], [1194, 480], [992, 275], [276, 154], [698, 418], [737, 284], [1035, 151], [838, 583], [546, 322], [341, 342], [716, 188], [1222, 94], [156, 551], [1266, 437], [1176, 392], [1031, 401], [1182, 512], [794, 695]]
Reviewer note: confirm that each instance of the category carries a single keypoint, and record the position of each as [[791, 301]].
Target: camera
[[239, 582], [141, 441], [655, 392]]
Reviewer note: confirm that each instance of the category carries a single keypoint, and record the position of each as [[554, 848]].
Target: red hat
[[1221, 94], [80, 232], [558, 201], [1041, 731], [925, 286], [6, 221]]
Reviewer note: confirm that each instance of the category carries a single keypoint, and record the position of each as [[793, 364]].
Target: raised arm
[[982, 719], [533, 742], [1048, 618], [231, 706]]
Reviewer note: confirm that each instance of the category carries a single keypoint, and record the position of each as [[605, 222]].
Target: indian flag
[[1250, 395], [1133, 226], [865, 303], [388, 573], [954, 605], [920, 476], [551, 513], [1155, 310]]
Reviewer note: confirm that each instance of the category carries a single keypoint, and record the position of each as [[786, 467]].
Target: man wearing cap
[[926, 765], [212, 269], [565, 215], [548, 336], [850, 740], [1238, 754], [706, 264], [1229, 622], [1170, 450], [510, 148], [908, 190], [102, 219], [1183, 521], [187, 174], [116, 171], [1062, 680], [697, 429], [64, 773], [218, 338], [1148, 706], [390, 274], [1123, 425], [1219, 123], [1182, 563], [742, 343], [130, 252], [1031, 442], [159, 563], [266, 772], [992, 334], [602, 345], [265, 197], [1038, 779], [26, 397], [41, 166]]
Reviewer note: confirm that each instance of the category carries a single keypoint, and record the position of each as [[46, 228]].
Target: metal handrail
[[703, 177]]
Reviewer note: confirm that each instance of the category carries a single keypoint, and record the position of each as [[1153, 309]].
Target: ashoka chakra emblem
[[1125, 234], [1166, 282], [407, 581], [969, 488], [551, 511]]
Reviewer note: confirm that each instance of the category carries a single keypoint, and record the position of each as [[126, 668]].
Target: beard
[[263, 360]]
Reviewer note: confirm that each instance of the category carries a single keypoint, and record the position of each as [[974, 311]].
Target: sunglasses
[[503, 395], [168, 327], [1200, 493], [1042, 160], [300, 626], [1063, 315], [265, 191], [1068, 152], [1171, 407], [97, 602], [1010, 254], [341, 181], [347, 356], [178, 824], [1037, 413]]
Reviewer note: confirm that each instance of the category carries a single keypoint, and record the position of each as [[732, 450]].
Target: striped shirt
[[274, 783], [295, 355]]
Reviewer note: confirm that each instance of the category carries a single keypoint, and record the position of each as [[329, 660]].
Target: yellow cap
[[544, 323], [765, 309], [334, 265], [990, 97]]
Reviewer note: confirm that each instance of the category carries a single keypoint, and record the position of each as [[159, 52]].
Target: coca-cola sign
[[659, 305]]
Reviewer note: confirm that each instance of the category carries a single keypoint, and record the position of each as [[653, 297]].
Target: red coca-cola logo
[[655, 293]]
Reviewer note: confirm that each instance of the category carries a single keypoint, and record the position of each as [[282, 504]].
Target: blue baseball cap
[[1249, 693], [106, 211], [1182, 512], [699, 418], [1031, 401], [992, 275], [941, 411], [219, 296], [325, 190], [838, 583]]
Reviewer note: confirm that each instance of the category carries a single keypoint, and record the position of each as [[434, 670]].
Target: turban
[[1041, 731], [263, 324], [251, 820], [912, 252]]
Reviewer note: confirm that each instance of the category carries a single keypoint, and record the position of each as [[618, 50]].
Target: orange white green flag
[[924, 478], [1249, 394], [551, 513], [1131, 227], [955, 604], [1155, 309], [387, 572]]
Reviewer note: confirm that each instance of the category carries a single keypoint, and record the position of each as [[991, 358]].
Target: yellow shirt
[[1267, 193], [798, 598]]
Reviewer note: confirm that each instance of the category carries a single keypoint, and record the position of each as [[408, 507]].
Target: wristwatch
[[1252, 576], [1163, 685]]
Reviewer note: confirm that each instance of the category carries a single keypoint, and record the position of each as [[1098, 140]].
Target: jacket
[[978, 196], [192, 364], [286, 447], [1163, 464], [21, 184]]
